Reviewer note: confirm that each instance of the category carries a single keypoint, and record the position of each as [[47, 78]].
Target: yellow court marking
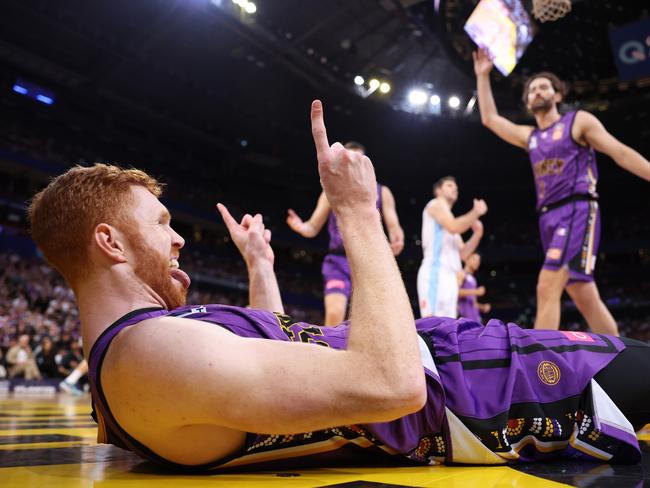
[[83, 432], [47, 445], [107, 476]]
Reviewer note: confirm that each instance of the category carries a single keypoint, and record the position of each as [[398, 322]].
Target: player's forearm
[[632, 161], [382, 324], [463, 223], [486, 104], [465, 292], [264, 292], [470, 246]]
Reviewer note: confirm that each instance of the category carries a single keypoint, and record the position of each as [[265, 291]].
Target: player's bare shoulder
[[582, 122]]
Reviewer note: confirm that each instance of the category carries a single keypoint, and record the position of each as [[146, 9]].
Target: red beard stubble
[[153, 269]]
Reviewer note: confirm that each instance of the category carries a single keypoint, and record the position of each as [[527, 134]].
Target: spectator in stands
[[45, 356], [3, 371], [71, 359], [20, 359]]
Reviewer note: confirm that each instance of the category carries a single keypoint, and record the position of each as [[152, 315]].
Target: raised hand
[[250, 237], [294, 221], [482, 62], [347, 177], [480, 207]]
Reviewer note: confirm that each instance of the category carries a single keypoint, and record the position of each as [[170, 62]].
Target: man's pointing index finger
[[318, 128]]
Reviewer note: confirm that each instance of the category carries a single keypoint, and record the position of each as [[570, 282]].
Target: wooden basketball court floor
[[49, 441]]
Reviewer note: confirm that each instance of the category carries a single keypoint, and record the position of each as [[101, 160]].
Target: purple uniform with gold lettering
[[336, 269], [467, 306], [496, 394], [565, 179]]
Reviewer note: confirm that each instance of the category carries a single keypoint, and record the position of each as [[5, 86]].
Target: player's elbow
[[489, 120], [407, 397], [415, 396]]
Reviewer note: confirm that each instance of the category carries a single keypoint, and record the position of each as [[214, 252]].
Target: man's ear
[[110, 242]]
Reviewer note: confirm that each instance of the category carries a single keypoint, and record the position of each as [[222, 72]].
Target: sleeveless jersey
[[440, 247], [495, 394], [336, 241], [562, 168], [467, 307]]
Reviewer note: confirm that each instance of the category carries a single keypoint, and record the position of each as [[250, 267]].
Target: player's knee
[[548, 289]]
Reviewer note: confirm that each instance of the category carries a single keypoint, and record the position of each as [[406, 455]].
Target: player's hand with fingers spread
[[482, 62], [348, 178], [250, 237], [480, 207]]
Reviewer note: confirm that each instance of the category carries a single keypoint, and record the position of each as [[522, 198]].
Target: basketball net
[[546, 10]]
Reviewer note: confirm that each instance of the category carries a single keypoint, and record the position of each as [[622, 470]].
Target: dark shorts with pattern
[[570, 236]]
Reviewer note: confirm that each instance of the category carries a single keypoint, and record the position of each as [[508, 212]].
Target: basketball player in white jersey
[[443, 249]]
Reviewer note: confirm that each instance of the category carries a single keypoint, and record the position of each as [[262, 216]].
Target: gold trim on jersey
[[102, 438], [331, 444], [541, 446], [587, 448]]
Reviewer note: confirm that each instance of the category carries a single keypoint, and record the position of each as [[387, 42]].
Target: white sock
[[73, 377]]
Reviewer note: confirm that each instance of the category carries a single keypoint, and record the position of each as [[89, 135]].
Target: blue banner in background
[[631, 46]]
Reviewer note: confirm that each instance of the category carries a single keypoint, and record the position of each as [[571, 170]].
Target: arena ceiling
[[208, 71]]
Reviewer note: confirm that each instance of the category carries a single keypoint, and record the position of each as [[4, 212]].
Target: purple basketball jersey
[[561, 167], [495, 394], [467, 306], [336, 241]]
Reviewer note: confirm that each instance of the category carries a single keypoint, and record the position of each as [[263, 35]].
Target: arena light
[[417, 97], [470, 105], [374, 84], [44, 99], [20, 89], [435, 99], [384, 87], [454, 102], [358, 80], [246, 6], [33, 91]]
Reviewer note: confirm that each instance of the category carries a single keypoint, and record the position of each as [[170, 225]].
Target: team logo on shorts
[[573, 335], [548, 373]]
